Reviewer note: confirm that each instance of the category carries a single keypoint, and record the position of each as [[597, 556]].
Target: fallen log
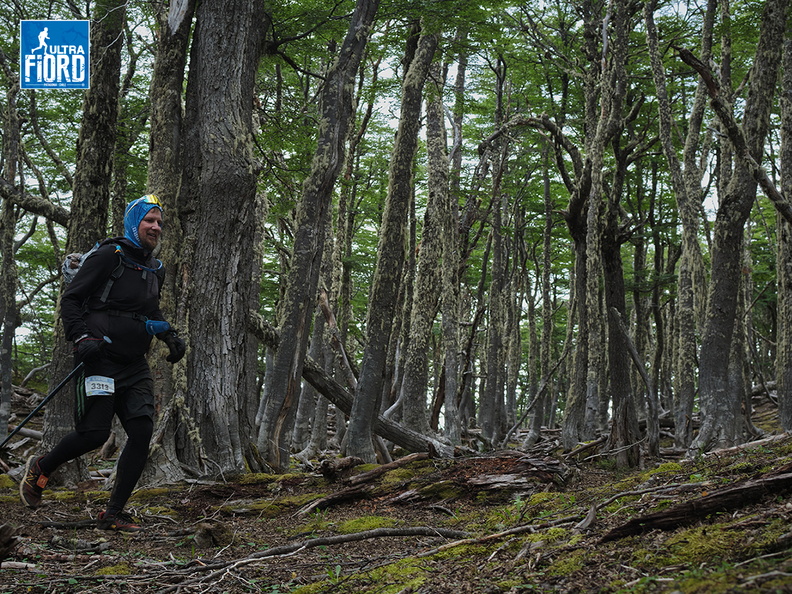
[[328, 387], [359, 486], [506, 472], [747, 493], [25, 432], [365, 477]]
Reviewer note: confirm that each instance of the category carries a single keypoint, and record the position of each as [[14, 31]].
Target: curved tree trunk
[[721, 416], [390, 257], [312, 216], [221, 218]]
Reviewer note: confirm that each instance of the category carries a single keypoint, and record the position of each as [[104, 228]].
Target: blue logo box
[[54, 55]]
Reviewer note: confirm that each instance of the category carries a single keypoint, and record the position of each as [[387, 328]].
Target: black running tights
[[130, 463]]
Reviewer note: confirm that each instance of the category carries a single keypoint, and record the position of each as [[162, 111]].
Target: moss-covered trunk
[[390, 256]]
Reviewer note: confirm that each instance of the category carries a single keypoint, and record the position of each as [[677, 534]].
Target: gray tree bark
[[164, 175], [613, 85], [8, 219], [541, 406], [343, 399], [576, 423], [90, 198], [451, 253], [390, 257], [624, 433], [687, 190], [313, 211], [221, 217], [721, 415], [491, 414], [784, 256], [427, 286]]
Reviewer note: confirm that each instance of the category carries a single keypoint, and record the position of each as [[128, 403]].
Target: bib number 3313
[[99, 385]]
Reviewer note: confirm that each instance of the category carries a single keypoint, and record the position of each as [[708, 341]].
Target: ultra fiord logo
[[54, 54]]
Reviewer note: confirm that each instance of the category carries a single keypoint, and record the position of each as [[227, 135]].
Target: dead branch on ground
[[217, 569]]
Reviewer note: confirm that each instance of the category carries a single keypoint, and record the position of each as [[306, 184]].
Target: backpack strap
[[125, 261], [117, 272]]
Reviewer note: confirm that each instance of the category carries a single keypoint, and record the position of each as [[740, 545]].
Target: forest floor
[[499, 522]]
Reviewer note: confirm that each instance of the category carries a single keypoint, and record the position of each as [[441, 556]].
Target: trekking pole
[[43, 402]]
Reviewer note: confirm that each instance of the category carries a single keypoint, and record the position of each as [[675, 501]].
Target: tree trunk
[[339, 396], [164, 175], [491, 404], [451, 262], [426, 289], [318, 348], [90, 199], [312, 216], [784, 255], [221, 217], [390, 257], [687, 187], [518, 292], [306, 406], [612, 86], [624, 434], [576, 424], [573, 423], [721, 416], [541, 408], [8, 308]]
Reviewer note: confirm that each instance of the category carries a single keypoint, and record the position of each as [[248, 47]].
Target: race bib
[[99, 385]]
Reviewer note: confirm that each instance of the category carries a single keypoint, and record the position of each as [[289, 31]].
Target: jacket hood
[[134, 213]]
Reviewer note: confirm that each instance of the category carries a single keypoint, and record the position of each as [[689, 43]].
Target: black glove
[[176, 346], [88, 347]]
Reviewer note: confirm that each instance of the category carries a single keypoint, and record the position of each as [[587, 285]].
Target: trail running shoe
[[119, 521], [32, 486]]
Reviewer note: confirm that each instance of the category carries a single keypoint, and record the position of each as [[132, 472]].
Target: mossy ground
[[246, 535]]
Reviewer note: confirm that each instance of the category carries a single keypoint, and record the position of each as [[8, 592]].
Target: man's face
[[150, 229]]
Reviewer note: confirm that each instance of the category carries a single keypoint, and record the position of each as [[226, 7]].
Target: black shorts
[[133, 395]]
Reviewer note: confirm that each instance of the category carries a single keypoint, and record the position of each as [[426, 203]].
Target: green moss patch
[[149, 494], [366, 523], [568, 564], [269, 508], [118, 569]]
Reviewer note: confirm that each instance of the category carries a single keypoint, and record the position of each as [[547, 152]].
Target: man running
[[110, 311]]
